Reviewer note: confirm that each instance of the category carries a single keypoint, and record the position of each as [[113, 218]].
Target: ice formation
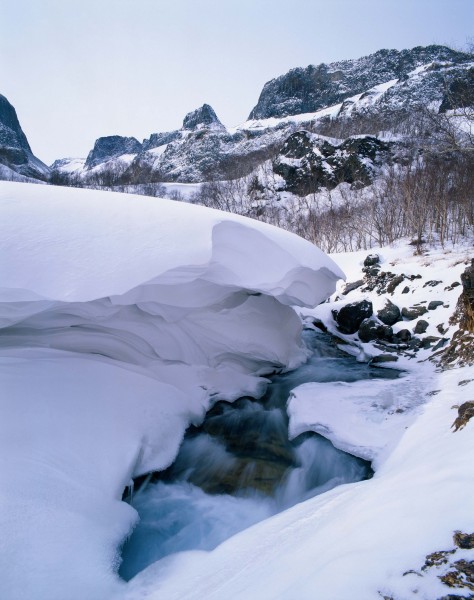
[[123, 318]]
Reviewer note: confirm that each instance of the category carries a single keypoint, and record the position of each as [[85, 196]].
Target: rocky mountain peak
[[9, 120], [15, 151], [109, 147], [203, 117], [307, 90]]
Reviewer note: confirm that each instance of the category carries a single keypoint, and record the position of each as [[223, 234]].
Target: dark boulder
[[370, 329], [433, 305], [371, 260], [394, 283], [383, 358], [421, 326], [350, 316], [349, 287], [403, 335], [413, 312], [389, 314]]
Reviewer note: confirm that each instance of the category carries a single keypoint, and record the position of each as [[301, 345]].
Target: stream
[[239, 467]]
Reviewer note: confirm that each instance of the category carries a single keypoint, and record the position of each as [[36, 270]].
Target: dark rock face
[[370, 330], [202, 117], [350, 316], [307, 90], [308, 162], [389, 314], [112, 146], [159, 139], [460, 92], [15, 151]]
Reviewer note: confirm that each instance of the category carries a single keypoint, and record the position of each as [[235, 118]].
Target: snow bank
[[123, 318], [366, 540]]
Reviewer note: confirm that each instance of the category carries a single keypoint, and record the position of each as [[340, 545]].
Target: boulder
[[371, 260], [352, 286], [394, 283], [433, 305], [413, 312], [383, 358], [389, 314], [370, 329], [403, 335], [350, 316], [421, 326]]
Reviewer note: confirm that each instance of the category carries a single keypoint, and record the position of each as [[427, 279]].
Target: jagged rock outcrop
[[308, 162], [381, 88], [203, 117], [307, 90], [112, 146], [15, 151]]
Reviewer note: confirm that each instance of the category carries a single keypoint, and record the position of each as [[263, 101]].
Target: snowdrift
[[122, 319]]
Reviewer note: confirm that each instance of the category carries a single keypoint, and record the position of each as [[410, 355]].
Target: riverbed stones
[[389, 314], [350, 316], [370, 329]]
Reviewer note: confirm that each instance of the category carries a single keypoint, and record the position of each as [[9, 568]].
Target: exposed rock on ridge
[[306, 90], [109, 147], [15, 151]]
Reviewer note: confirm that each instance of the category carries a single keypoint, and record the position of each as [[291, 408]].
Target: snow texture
[[370, 539], [123, 319]]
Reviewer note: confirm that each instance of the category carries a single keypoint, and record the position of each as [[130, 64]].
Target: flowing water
[[239, 467]]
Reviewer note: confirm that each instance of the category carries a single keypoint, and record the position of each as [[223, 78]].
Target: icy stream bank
[[239, 466]]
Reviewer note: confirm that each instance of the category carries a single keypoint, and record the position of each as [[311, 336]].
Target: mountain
[[315, 87], [369, 96], [16, 157]]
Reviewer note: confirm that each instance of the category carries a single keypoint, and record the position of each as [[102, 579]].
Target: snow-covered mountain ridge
[[380, 85]]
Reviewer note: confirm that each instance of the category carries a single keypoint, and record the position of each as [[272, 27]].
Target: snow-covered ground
[[123, 319]]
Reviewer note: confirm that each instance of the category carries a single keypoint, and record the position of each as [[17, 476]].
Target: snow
[[350, 542], [360, 419], [123, 319], [369, 539]]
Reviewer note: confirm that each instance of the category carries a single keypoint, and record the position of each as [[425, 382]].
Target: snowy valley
[[198, 404]]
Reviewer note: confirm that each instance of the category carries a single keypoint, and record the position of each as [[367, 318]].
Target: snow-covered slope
[[122, 320], [392, 536]]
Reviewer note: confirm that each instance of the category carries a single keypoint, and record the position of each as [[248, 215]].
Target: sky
[[78, 70]]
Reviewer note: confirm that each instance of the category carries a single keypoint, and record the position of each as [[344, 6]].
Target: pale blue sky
[[77, 70]]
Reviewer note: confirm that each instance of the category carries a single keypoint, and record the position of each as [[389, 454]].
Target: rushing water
[[239, 467]]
